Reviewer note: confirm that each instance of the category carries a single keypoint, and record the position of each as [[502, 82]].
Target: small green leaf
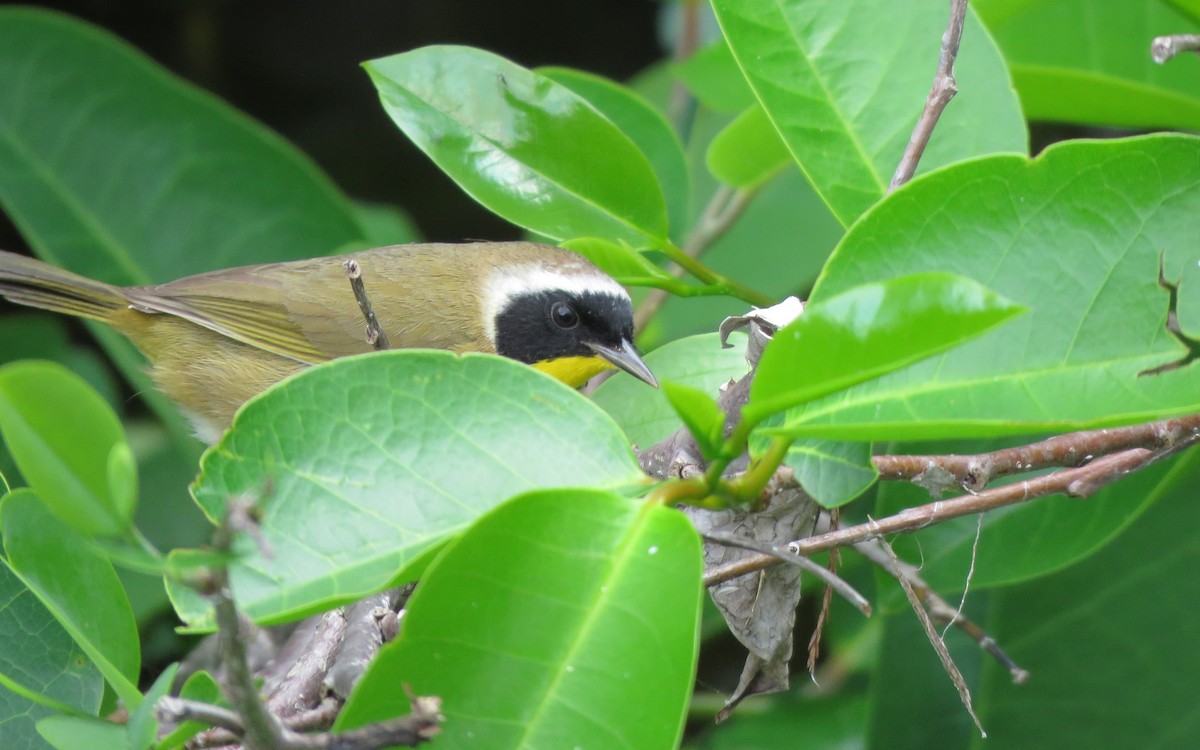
[[844, 83], [699, 411], [697, 361], [200, 686], [63, 437], [375, 459], [77, 733], [524, 146], [832, 472], [748, 151], [713, 77], [77, 585], [582, 634], [626, 265], [645, 126], [868, 331], [143, 726]]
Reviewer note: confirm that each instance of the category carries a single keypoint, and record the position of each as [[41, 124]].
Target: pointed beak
[[625, 356]]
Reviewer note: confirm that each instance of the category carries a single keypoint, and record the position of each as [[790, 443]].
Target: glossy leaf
[[1089, 63], [845, 82], [375, 459], [700, 413], [78, 586], [582, 634], [866, 332], [44, 409], [697, 361], [1075, 237], [622, 262], [748, 151], [42, 671], [645, 126], [204, 188], [522, 145]]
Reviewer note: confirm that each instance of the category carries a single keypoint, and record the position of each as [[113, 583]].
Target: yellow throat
[[574, 371]]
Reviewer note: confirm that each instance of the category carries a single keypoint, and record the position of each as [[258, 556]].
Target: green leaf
[[748, 151], [832, 472], [866, 332], [204, 188], [374, 459], [845, 82], [699, 411], [828, 722], [385, 224], [643, 124], [1075, 237], [143, 725], [77, 585], [69, 446], [623, 263], [713, 77], [77, 733], [200, 686], [522, 145], [697, 361], [582, 634], [42, 671], [1082, 62]]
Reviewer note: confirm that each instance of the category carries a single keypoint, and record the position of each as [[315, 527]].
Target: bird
[[216, 339]]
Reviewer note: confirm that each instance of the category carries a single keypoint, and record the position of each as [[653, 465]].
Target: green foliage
[[344, 523], [557, 606], [587, 631]]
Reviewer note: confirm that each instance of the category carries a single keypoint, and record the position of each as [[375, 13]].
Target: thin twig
[[1079, 482], [682, 103], [722, 211], [974, 472], [943, 90], [827, 576], [375, 335], [939, 609], [964, 693], [814, 641], [1163, 48]]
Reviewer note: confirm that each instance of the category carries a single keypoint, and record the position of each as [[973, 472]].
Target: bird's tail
[[31, 282]]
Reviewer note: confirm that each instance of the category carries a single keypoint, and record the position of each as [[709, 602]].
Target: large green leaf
[[867, 331], [89, 483], [77, 585], [1074, 236], [41, 668], [374, 459], [524, 146], [581, 633], [844, 83], [116, 169], [1086, 62]]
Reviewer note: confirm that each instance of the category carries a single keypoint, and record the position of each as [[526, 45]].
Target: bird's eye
[[563, 315]]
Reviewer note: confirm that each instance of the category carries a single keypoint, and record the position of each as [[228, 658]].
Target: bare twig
[[827, 576], [375, 335], [974, 472], [944, 89], [814, 641], [1163, 48], [939, 609], [964, 693], [1079, 482], [682, 102], [722, 211]]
